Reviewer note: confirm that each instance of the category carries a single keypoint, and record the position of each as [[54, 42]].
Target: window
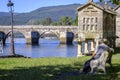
[[87, 28], [83, 20], [95, 27], [90, 7], [83, 27], [92, 20], [96, 19], [87, 21], [91, 27]]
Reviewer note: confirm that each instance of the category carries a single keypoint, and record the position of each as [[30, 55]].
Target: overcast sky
[[29, 5]]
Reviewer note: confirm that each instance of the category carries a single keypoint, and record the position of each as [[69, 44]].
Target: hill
[[53, 12]]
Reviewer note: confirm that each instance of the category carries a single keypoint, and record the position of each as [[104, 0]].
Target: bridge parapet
[[37, 26]]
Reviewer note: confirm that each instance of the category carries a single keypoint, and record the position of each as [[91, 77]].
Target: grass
[[49, 68]]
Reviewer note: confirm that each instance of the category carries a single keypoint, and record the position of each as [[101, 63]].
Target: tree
[[33, 22], [46, 21], [64, 21], [113, 1], [75, 22], [54, 23]]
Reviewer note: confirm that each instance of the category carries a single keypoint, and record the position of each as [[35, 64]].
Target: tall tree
[[46, 21], [113, 1], [64, 21], [75, 22], [54, 23], [33, 22]]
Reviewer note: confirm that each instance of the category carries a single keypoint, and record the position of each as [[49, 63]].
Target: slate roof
[[118, 6]]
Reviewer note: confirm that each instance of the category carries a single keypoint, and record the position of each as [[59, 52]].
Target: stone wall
[[109, 25], [118, 27], [90, 22]]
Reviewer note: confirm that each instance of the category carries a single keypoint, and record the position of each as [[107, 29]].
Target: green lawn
[[49, 68]]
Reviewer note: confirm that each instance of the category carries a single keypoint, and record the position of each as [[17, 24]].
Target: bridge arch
[[73, 31], [69, 37], [55, 33], [20, 32], [17, 34], [35, 37], [19, 37], [3, 36]]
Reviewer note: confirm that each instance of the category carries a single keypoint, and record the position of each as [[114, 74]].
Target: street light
[[11, 7]]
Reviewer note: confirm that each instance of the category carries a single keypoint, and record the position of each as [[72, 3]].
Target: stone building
[[117, 9], [94, 22]]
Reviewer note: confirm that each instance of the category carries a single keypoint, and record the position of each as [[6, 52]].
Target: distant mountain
[[4, 14], [53, 12]]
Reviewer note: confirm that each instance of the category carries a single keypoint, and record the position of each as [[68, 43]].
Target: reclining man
[[96, 54]]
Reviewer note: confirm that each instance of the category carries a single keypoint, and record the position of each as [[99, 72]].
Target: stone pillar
[[79, 48], [96, 43], [92, 46], [118, 29], [86, 47], [63, 37], [28, 38]]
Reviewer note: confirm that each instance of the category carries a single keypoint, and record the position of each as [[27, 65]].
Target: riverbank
[[52, 69]]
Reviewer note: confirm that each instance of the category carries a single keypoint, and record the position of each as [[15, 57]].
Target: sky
[[30, 5]]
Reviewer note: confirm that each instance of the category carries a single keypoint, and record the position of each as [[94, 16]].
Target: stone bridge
[[32, 33]]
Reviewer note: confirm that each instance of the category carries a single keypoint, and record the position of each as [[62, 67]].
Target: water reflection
[[46, 48]]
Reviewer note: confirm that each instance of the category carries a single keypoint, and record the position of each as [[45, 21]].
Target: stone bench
[[100, 62]]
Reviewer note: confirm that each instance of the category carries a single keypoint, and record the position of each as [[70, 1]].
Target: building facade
[[94, 22], [117, 9]]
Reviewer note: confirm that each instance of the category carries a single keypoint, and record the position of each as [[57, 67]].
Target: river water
[[46, 48]]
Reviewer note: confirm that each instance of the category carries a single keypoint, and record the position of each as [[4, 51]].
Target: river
[[46, 48]]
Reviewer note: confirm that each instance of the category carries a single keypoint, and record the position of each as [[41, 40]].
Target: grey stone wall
[[118, 27], [108, 25], [90, 22]]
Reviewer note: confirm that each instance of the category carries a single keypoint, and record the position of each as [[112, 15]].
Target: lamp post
[[10, 6]]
